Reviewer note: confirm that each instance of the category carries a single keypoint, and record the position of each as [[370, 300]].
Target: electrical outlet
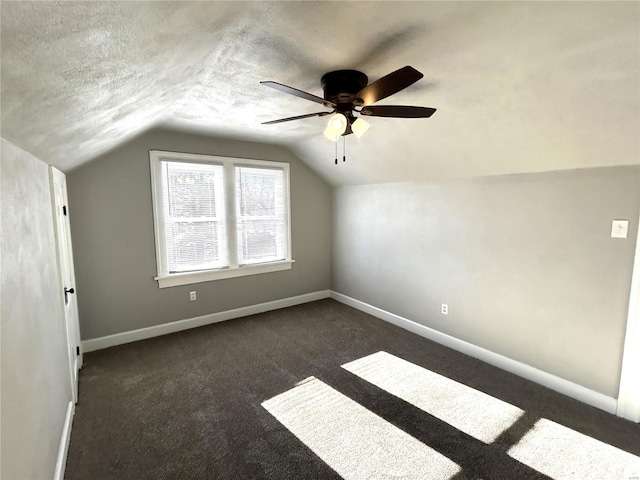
[[444, 309], [619, 228], [192, 296]]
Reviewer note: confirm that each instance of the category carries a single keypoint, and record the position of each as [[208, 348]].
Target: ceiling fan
[[348, 91]]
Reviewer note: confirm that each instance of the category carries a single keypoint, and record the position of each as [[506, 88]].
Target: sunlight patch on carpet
[[473, 412], [352, 440], [563, 453]]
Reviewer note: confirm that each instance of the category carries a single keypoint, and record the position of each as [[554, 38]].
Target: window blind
[[261, 215], [193, 209]]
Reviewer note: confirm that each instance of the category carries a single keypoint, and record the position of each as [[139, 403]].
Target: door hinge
[[78, 351], [64, 210]]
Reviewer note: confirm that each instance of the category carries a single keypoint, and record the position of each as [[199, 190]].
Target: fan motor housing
[[341, 86]]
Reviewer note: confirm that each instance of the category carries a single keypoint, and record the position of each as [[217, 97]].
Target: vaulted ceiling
[[519, 87]]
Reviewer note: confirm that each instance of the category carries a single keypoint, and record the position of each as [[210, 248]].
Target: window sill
[[176, 279]]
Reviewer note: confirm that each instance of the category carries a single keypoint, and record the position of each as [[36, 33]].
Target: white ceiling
[[519, 87]]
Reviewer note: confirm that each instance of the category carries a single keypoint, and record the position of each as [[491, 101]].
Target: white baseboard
[[570, 389], [172, 327], [64, 443]]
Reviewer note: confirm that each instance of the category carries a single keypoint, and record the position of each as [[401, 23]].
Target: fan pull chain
[[344, 149], [336, 153]]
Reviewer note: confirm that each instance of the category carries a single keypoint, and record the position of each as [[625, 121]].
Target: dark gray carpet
[[188, 405]]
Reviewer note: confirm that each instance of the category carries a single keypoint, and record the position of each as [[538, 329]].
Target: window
[[218, 217]]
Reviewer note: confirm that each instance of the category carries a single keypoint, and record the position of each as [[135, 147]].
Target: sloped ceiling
[[519, 87]]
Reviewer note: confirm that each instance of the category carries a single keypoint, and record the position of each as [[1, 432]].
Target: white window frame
[[166, 279]]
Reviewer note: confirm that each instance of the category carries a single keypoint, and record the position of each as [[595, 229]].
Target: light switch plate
[[619, 228]]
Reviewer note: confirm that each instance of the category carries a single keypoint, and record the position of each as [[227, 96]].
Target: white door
[[67, 275]]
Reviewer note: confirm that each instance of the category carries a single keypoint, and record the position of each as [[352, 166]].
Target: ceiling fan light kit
[[360, 127], [336, 126], [347, 92]]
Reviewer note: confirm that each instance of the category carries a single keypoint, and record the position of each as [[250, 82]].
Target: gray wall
[[525, 263], [113, 240], [35, 371]]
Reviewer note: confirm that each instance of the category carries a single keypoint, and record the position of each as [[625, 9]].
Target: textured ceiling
[[519, 87]]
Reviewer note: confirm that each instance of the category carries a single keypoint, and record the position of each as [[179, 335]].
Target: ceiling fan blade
[[397, 111], [298, 93], [288, 119], [388, 85]]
